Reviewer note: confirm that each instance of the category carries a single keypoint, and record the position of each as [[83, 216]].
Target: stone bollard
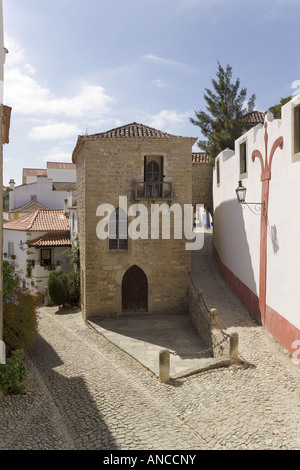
[[47, 300], [214, 317], [164, 365], [234, 348]]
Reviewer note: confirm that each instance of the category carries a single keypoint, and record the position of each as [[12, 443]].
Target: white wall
[[42, 189], [63, 175], [237, 230], [15, 236], [40, 275]]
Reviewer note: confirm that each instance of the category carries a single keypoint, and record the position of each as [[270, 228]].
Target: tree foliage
[[226, 104], [276, 110]]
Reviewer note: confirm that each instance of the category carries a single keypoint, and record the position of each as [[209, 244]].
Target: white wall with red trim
[[237, 229]]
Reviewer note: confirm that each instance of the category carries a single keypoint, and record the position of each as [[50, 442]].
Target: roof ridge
[[128, 126], [35, 214]]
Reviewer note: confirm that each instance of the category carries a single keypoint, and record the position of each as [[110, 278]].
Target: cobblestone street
[[83, 392]]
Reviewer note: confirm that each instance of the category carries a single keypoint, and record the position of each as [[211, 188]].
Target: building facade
[[49, 187], [257, 245], [37, 243], [147, 167]]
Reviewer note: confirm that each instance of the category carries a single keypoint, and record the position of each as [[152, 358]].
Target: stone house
[[147, 167]]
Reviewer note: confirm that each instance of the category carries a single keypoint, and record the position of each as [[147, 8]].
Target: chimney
[[11, 195]]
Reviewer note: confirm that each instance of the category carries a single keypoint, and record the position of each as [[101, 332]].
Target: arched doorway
[[134, 290]]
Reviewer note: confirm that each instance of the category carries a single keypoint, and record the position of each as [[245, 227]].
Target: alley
[[83, 392]]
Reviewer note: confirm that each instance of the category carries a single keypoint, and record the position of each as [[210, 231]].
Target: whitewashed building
[[36, 242], [47, 187], [257, 244]]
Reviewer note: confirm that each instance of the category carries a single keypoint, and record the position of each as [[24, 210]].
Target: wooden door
[[134, 290]]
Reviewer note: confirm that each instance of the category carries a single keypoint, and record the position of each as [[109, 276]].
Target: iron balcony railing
[[159, 190]]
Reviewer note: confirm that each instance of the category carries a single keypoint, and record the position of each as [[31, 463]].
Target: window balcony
[[153, 191]]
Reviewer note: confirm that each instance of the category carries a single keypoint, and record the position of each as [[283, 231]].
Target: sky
[[80, 67]]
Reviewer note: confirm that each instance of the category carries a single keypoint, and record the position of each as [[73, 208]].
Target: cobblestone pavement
[[83, 392]]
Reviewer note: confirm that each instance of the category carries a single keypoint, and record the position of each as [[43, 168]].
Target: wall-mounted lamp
[[241, 196], [22, 246]]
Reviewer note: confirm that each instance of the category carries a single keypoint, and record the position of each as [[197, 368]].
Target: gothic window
[[153, 176]]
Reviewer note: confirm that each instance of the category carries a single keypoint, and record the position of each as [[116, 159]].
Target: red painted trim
[[278, 326], [281, 329], [243, 293]]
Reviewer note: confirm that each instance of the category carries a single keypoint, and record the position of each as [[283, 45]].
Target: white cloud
[[168, 119], [159, 83], [53, 131], [28, 96], [161, 60]]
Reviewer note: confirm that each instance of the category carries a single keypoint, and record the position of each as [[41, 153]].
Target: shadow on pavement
[[73, 400]]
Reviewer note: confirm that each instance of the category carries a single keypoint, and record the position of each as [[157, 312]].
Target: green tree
[[221, 125], [276, 110]]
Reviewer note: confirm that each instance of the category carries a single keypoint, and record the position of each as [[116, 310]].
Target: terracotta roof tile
[[34, 172], [51, 239], [134, 130], [40, 221], [31, 206], [128, 131], [253, 118], [61, 165]]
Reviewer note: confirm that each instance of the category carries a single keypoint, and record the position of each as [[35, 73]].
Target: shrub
[[57, 287], [11, 281], [73, 287], [20, 322], [13, 374], [64, 287]]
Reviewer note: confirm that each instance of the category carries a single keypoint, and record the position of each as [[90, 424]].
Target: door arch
[[134, 290]]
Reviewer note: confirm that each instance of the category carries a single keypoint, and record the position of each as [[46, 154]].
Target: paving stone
[[85, 392]]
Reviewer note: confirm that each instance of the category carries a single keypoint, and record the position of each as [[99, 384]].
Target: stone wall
[[206, 323], [107, 169], [202, 174]]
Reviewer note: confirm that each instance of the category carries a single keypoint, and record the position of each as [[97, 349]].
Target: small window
[[118, 230], [296, 130], [243, 158], [33, 197], [218, 172], [11, 249], [46, 256]]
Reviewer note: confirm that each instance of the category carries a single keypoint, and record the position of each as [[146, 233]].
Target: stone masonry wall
[[202, 185], [107, 169]]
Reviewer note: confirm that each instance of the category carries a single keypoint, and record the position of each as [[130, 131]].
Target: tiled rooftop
[[134, 130], [61, 165], [51, 239], [40, 221], [34, 172], [128, 131], [255, 117], [31, 206]]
